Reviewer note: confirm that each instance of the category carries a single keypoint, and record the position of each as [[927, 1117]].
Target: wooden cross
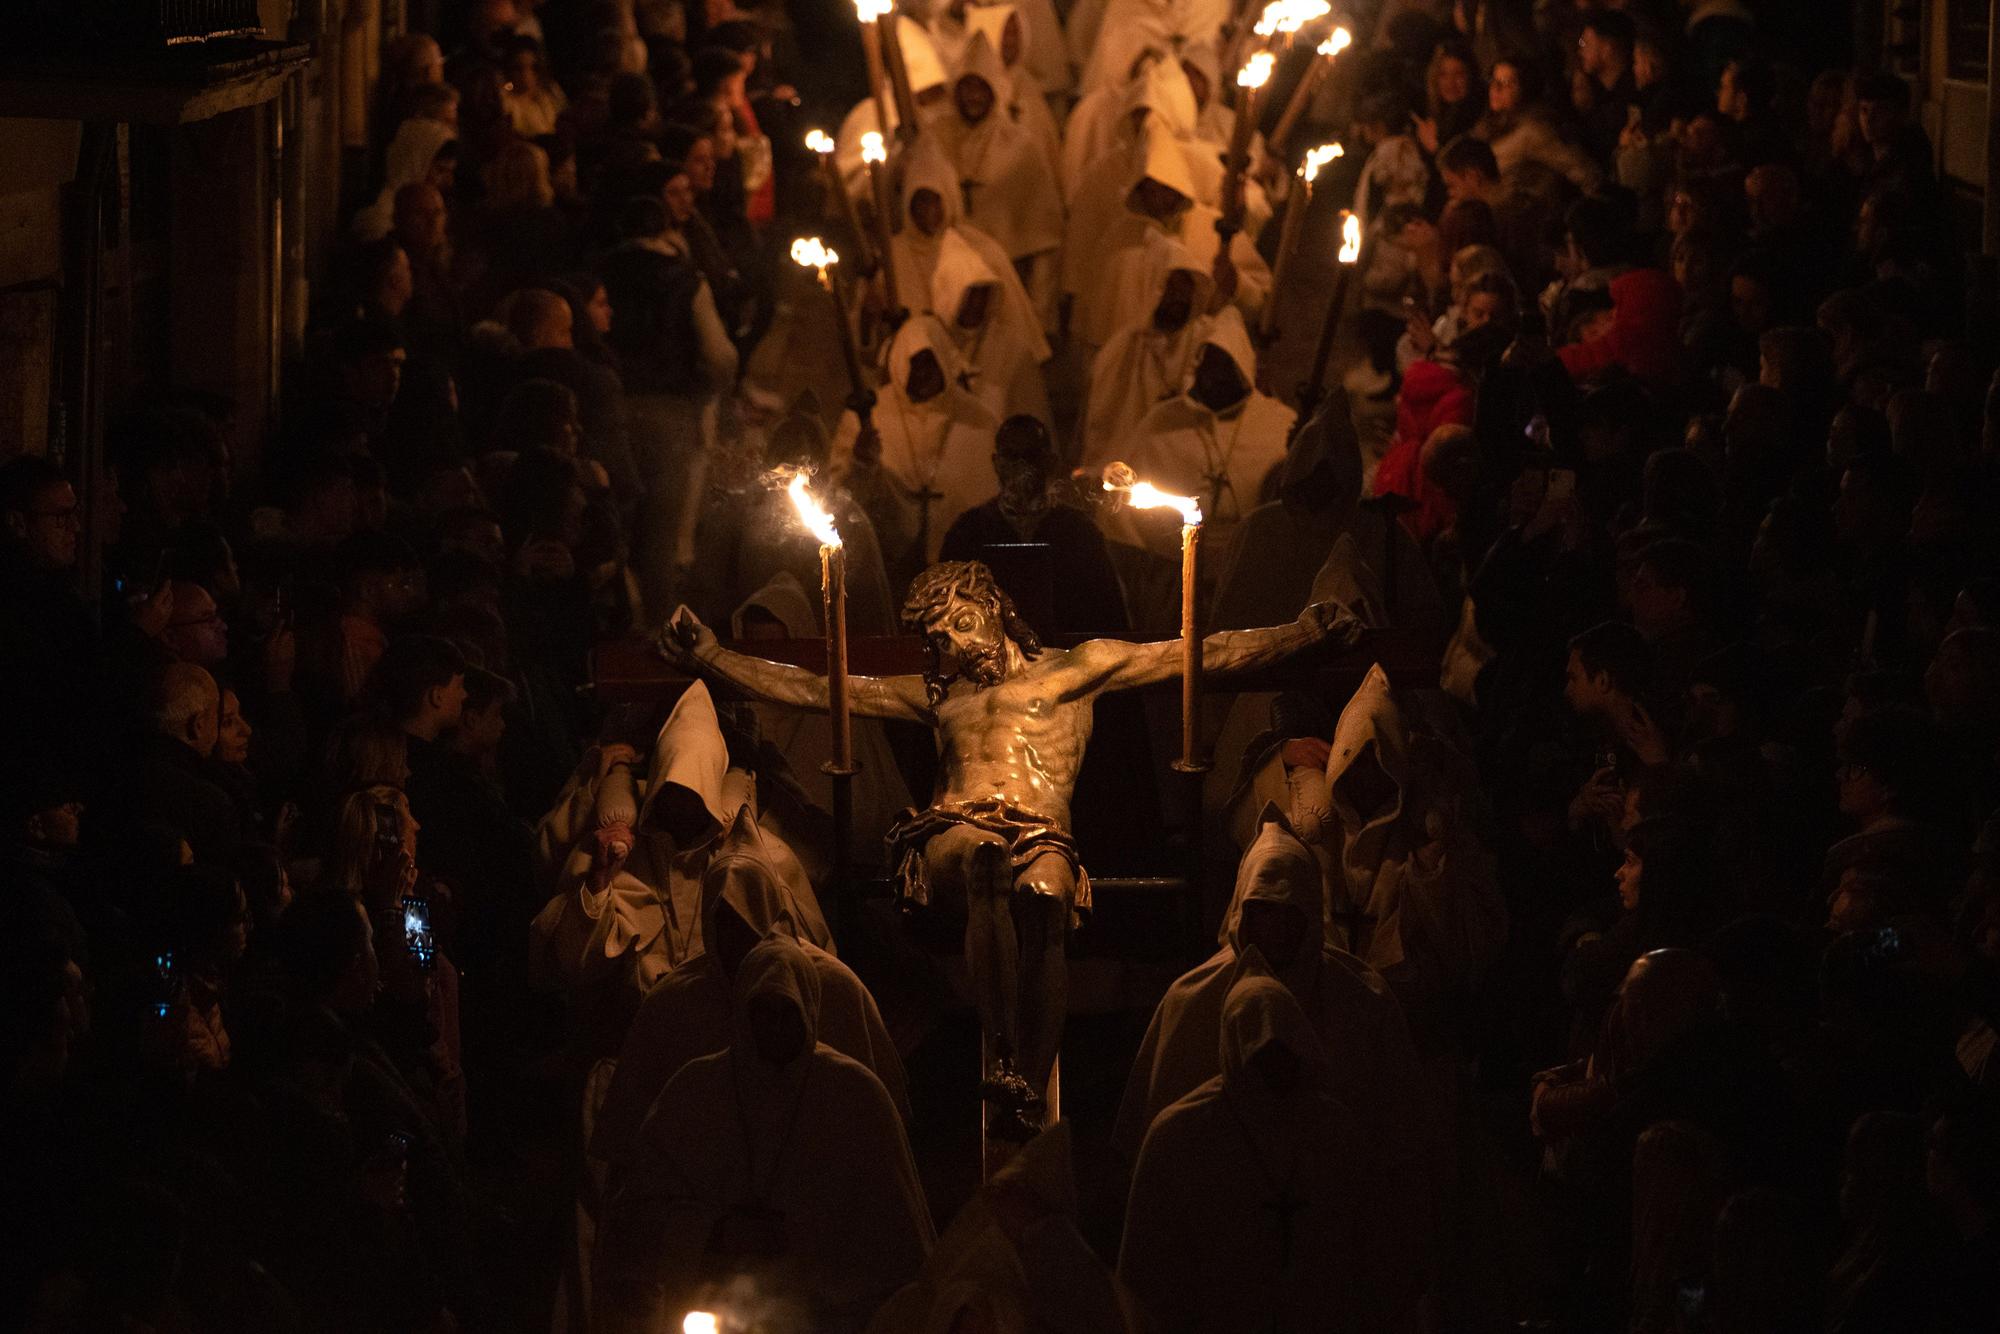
[[1218, 482]]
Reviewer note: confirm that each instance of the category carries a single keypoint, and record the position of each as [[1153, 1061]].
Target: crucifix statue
[[1012, 719]]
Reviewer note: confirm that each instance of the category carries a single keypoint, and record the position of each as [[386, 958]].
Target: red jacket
[[1433, 395], [1645, 331]]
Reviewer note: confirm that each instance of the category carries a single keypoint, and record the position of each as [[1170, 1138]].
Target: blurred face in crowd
[[1880, 119], [1731, 98], [524, 74], [196, 633], [1503, 90], [1649, 66], [232, 737], [1657, 607], [699, 166], [1586, 692], [47, 530], [480, 730], [422, 221], [1481, 309], [974, 97], [1862, 794], [598, 310], [678, 196], [1597, 57], [1750, 303], [376, 379], [1454, 81], [1630, 872]]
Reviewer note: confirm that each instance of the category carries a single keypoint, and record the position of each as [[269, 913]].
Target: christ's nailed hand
[[682, 639], [1330, 620]]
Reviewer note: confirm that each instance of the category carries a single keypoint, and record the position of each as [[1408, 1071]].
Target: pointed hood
[[1166, 255], [981, 60], [1261, 1012], [1369, 745], [1163, 90], [1158, 157], [1327, 442], [777, 968], [690, 753], [921, 60], [1276, 868], [755, 876], [1225, 331], [959, 270], [926, 166], [784, 601], [990, 22]]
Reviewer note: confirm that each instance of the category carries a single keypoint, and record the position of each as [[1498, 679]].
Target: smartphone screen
[[417, 932], [165, 981]]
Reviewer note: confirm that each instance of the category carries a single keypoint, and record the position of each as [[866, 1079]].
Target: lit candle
[[809, 253], [1296, 204], [875, 154], [822, 146], [1120, 480], [1285, 17], [1336, 41], [1254, 75], [833, 589], [1350, 254], [868, 11]]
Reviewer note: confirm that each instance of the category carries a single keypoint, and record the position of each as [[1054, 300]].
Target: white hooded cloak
[[1005, 175], [411, 154], [687, 1013], [1143, 366], [1254, 1208], [943, 445], [927, 70], [1184, 447], [1013, 1262], [796, 1175], [1002, 355]]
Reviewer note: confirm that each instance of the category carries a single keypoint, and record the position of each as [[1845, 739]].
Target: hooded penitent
[[1129, 27], [1256, 1198], [1431, 917], [928, 168], [941, 448], [1109, 119], [778, 1159], [1002, 350], [1013, 1262], [626, 923], [1028, 104], [1143, 364], [687, 1013], [1372, 1065], [1008, 180], [927, 72], [1222, 458]]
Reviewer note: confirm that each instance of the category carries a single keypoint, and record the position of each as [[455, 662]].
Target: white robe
[[1129, 27], [1003, 354], [1006, 1278], [927, 70], [798, 1171], [1142, 365], [943, 446], [1256, 1210], [1002, 170], [687, 1013], [1183, 447], [1371, 1064], [620, 933]]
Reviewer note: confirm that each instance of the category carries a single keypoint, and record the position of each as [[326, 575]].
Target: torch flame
[[817, 142], [814, 515], [1288, 16], [1121, 480], [872, 149], [1336, 41], [700, 1322], [1258, 72], [1350, 237], [807, 252], [1319, 157], [870, 10]]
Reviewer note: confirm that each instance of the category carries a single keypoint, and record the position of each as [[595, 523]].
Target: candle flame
[[700, 1322], [872, 148], [1288, 16], [797, 483], [1319, 157], [807, 252], [870, 10], [1350, 237], [1258, 72], [817, 142], [1336, 41], [1119, 479]]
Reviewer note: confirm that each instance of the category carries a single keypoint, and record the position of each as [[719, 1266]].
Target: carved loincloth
[[1028, 836]]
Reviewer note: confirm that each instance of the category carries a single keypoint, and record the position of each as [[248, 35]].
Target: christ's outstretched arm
[[688, 644], [1110, 664]]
